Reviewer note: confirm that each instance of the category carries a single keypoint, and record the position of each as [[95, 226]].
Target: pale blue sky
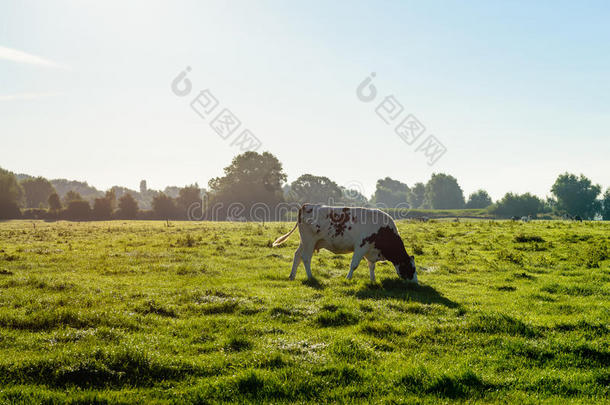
[[518, 92]]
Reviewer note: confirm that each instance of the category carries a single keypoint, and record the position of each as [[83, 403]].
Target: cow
[[369, 233]]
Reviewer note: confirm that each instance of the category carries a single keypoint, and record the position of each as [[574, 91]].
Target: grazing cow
[[369, 233]]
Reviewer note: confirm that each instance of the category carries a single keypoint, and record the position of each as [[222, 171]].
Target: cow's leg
[[356, 259], [307, 254], [296, 261], [372, 271]]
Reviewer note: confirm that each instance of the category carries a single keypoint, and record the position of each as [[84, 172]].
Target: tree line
[[256, 182]]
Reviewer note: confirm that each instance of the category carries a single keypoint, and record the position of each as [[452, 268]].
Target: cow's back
[[341, 229]]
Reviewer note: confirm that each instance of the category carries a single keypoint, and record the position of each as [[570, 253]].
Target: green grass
[[138, 312]]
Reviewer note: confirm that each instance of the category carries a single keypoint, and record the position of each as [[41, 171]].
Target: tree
[[102, 208], [518, 205], [605, 205], [443, 192], [163, 207], [63, 186], [78, 210], [11, 194], [479, 199], [128, 207], [54, 204], [252, 181], [111, 197], [187, 196], [550, 204], [353, 197], [72, 196], [417, 195], [390, 193], [37, 191], [315, 189], [576, 195], [171, 191]]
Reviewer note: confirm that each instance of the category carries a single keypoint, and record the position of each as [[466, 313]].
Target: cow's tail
[[283, 238]]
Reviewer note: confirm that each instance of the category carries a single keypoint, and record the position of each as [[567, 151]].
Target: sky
[[515, 92]]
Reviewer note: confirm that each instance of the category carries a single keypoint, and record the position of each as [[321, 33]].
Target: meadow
[[201, 312]]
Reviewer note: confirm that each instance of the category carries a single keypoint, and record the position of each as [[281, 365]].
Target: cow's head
[[406, 269]]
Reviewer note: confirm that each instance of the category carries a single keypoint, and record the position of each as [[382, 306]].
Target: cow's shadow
[[399, 289], [314, 283]]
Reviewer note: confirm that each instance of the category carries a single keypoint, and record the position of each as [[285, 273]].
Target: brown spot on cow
[[339, 221]]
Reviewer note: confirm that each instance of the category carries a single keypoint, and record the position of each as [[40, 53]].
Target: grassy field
[[139, 312]]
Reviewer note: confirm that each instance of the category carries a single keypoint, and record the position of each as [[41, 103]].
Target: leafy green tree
[[417, 195], [102, 208], [550, 204], [172, 191], [71, 196], [315, 189], [54, 204], [390, 193], [37, 191], [128, 207], [164, 207], [11, 194], [443, 192], [251, 180], [62, 186], [77, 210], [517, 205], [605, 205], [111, 196], [576, 195], [188, 196], [353, 197], [479, 199]]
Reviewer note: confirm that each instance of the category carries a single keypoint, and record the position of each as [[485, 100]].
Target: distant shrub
[[517, 205], [77, 210], [35, 213], [9, 210]]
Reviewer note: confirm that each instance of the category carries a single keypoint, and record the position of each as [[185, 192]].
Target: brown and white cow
[[369, 233]]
